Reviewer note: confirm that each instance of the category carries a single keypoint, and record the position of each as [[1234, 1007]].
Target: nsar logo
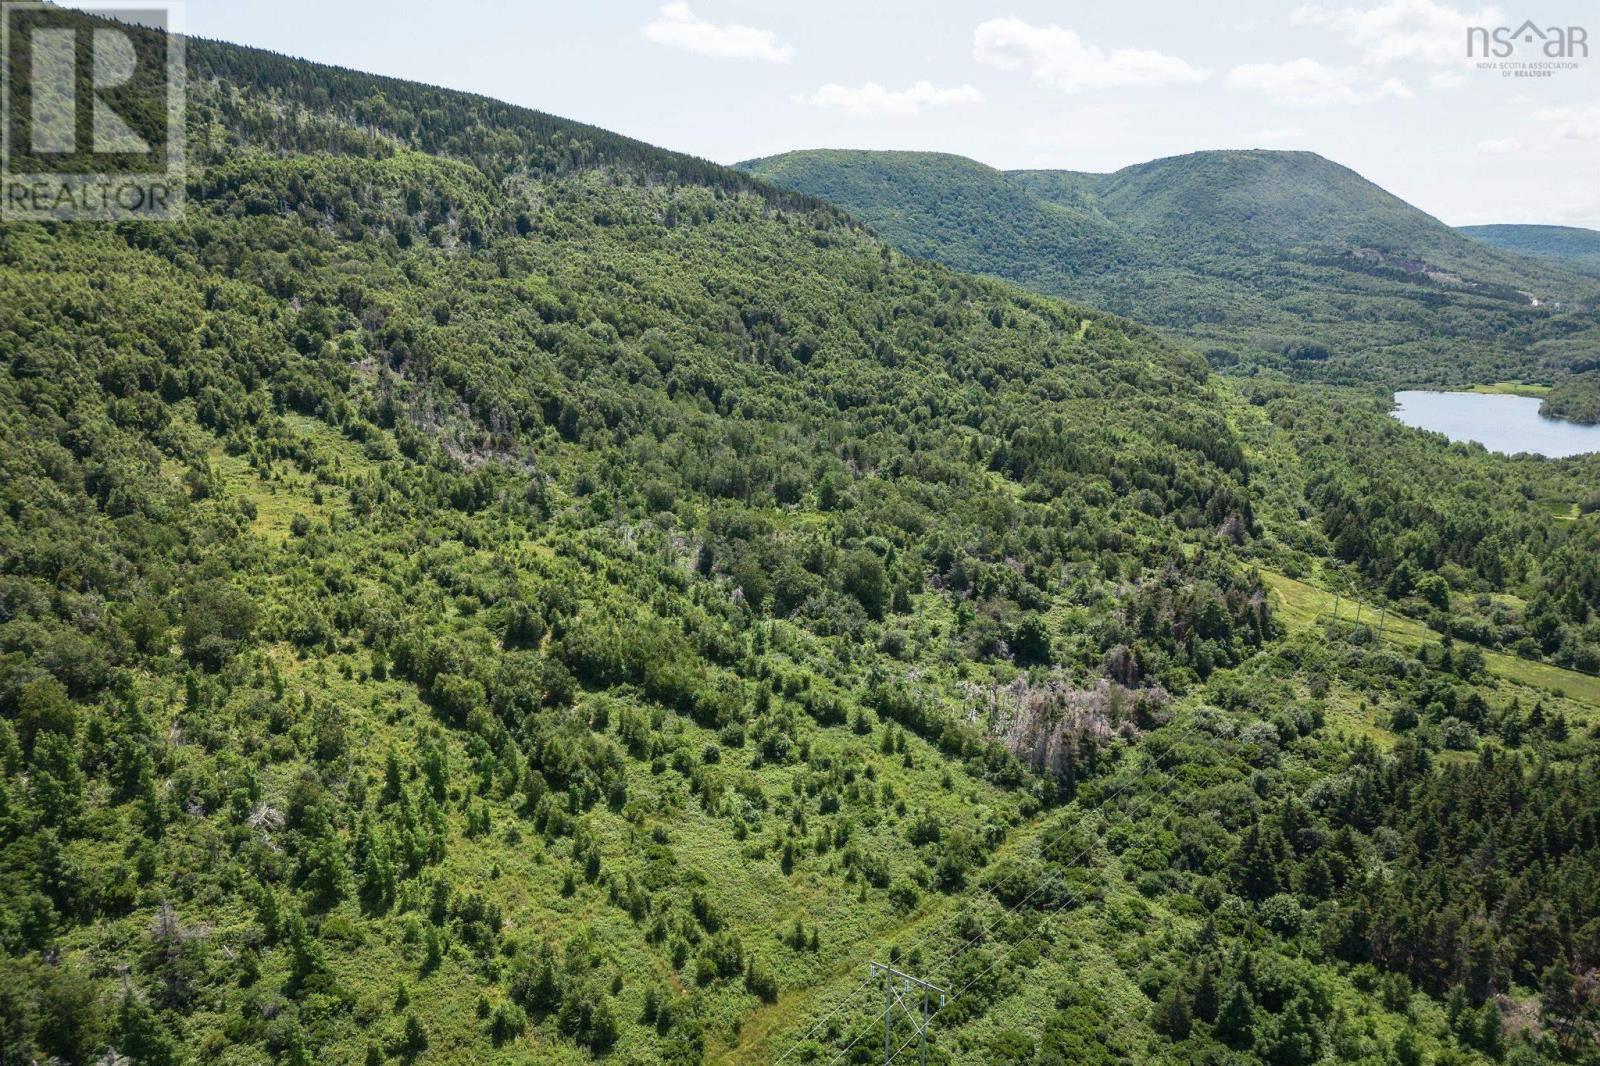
[[1552, 42]]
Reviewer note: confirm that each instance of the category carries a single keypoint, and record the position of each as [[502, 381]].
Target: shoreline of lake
[[1502, 422]]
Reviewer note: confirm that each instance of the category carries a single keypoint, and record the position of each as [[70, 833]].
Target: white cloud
[[1059, 58], [1500, 146], [872, 99], [1570, 133], [1447, 79], [680, 27], [1307, 83], [1395, 31], [1571, 123]]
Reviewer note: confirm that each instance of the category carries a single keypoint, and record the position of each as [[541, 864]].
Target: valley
[[1273, 260], [482, 588]]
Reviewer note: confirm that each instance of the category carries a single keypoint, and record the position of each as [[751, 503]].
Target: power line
[[1043, 883], [818, 1023], [1043, 925], [891, 996], [1072, 897]]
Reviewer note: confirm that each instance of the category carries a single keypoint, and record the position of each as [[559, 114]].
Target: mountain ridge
[[337, 90], [1575, 246], [1281, 258], [475, 589]]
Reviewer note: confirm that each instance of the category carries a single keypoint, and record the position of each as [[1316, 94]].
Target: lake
[[1501, 423]]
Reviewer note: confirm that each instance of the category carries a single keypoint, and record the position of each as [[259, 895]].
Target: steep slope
[[473, 559], [1283, 258], [1572, 245], [482, 589], [294, 106], [1271, 200], [958, 212]]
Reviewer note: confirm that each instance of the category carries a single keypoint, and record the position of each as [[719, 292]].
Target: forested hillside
[[959, 212], [481, 588], [1572, 245], [1261, 258], [1575, 397]]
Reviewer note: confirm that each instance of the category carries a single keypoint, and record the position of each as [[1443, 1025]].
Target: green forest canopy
[[1273, 259], [483, 587]]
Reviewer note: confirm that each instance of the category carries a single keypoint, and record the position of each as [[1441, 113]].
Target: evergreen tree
[[141, 1036], [1171, 1015], [1236, 1017]]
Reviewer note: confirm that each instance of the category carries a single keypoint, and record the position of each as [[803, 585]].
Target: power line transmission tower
[[894, 982]]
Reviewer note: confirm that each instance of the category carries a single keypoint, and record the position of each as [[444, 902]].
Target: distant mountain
[[959, 212], [1276, 258], [478, 588], [1266, 200], [330, 512], [1572, 245]]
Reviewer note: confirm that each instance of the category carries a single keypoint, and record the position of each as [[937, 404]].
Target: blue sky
[[1383, 86]]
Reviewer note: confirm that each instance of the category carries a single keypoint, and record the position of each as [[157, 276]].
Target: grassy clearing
[[1511, 388], [1564, 512], [1303, 605]]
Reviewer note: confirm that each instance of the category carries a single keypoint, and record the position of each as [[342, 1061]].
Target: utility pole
[[920, 993]]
